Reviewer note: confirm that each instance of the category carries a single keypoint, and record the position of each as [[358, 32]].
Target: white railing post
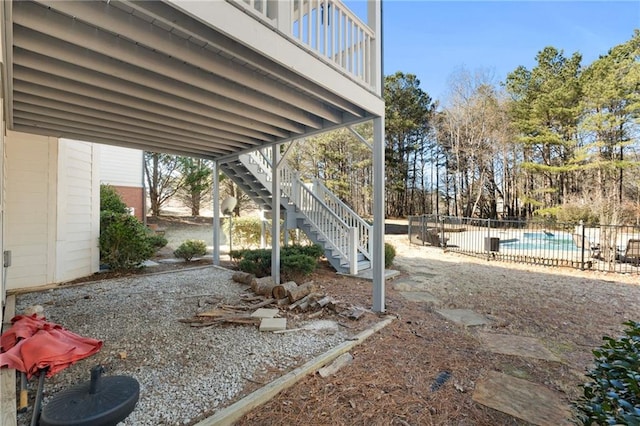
[[283, 14], [296, 192], [353, 251]]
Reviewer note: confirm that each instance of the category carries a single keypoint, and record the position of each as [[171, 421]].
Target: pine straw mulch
[[393, 378]]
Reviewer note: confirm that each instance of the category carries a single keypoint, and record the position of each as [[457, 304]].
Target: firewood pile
[[288, 297]]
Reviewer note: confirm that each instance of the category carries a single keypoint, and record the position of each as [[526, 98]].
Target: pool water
[[541, 241]]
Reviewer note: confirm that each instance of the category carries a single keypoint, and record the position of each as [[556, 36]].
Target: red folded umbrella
[[33, 344], [23, 327]]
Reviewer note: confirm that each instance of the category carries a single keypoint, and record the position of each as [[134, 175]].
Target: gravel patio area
[[185, 373]]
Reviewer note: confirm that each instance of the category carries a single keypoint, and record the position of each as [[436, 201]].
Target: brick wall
[[133, 197]]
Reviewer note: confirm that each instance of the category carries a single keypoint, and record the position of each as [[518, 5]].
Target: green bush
[[389, 254], [157, 241], [613, 395], [110, 200], [257, 262], [124, 242], [190, 249], [295, 266], [295, 261]]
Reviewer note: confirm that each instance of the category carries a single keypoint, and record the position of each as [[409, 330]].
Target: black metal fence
[[610, 248]]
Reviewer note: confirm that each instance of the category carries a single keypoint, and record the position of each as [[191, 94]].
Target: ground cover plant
[[613, 394]]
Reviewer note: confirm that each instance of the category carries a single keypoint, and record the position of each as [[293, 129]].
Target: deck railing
[[338, 225], [611, 248], [326, 27]]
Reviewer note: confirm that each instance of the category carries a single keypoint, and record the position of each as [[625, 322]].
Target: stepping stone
[[465, 317], [520, 398], [409, 284], [171, 260], [265, 313], [517, 345], [273, 324], [420, 296]]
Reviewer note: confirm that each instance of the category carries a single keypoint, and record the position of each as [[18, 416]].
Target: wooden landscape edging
[[8, 403], [235, 411]]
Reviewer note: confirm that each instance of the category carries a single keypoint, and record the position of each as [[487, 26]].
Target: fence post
[[488, 246], [443, 243], [422, 230], [582, 235]]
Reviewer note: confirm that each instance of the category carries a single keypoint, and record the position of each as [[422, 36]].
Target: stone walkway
[[517, 397]]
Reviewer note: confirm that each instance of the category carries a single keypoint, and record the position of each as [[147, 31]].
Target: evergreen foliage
[[124, 241], [613, 394], [190, 249], [389, 254], [110, 200], [296, 261]]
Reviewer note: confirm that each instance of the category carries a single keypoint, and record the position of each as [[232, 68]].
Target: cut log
[[282, 302], [324, 301], [281, 291], [264, 286], [244, 278], [301, 291], [299, 302]]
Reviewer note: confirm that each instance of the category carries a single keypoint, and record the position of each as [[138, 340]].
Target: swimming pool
[[541, 241]]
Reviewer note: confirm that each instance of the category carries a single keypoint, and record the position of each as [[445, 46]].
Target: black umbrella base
[[103, 402]]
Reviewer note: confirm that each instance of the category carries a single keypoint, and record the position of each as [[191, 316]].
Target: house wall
[[52, 219], [122, 169], [30, 216], [78, 206]]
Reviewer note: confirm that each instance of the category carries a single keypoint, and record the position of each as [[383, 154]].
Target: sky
[[434, 39]]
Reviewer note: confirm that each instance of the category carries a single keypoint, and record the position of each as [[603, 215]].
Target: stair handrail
[[347, 214], [348, 240], [339, 235]]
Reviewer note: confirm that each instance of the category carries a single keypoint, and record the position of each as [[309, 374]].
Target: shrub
[[257, 262], [124, 242], [313, 250], [110, 200], [295, 266], [157, 241], [190, 249], [613, 395], [389, 254], [295, 261]]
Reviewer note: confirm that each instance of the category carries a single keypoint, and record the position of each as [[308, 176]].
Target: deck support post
[[216, 214], [275, 215], [378, 215]]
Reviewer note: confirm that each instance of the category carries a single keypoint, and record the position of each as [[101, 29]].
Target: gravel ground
[[185, 373]]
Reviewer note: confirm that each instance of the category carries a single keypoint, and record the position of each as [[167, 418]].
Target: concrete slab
[[273, 324], [265, 313], [507, 344], [465, 317], [522, 399], [368, 274], [420, 296]]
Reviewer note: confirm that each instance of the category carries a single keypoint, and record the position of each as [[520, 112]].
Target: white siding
[[120, 166], [52, 210], [30, 209], [78, 210]]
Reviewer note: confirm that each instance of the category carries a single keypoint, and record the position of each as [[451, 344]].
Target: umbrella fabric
[[23, 327], [36, 344]]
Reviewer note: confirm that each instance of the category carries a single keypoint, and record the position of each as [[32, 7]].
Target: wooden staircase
[[323, 217]]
